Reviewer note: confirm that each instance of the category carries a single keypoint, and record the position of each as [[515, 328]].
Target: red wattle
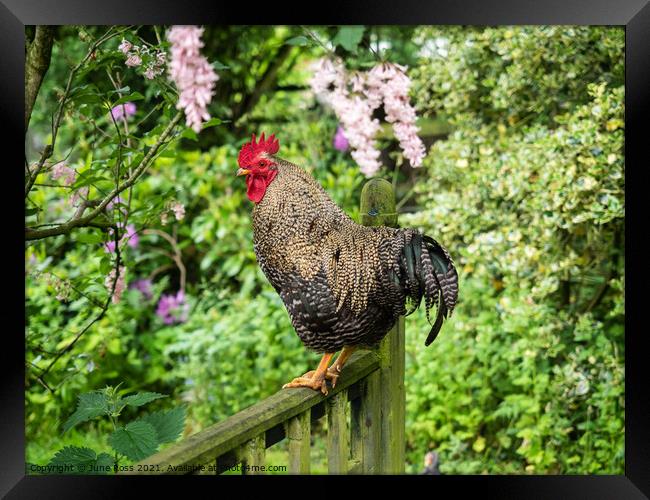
[[257, 185]]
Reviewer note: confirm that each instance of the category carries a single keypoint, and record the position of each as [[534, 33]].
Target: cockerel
[[343, 284]]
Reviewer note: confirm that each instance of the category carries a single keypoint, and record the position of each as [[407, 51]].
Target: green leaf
[[105, 460], [90, 238], [135, 96], [219, 66], [87, 178], [168, 423], [142, 398], [212, 122], [78, 460], [89, 406], [88, 98], [31, 211], [298, 40], [105, 265], [120, 91], [189, 133], [136, 440], [349, 37]]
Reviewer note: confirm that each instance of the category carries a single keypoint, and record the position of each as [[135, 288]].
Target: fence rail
[[365, 411]]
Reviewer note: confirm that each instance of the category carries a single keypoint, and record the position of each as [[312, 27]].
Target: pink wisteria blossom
[[79, 196], [125, 46], [355, 97], [390, 84], [133, 60], [120, 284], [330, 84], [62, 171], [192, 73], [179, 210]]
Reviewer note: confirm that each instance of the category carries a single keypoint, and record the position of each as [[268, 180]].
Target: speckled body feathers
[[344, 284]]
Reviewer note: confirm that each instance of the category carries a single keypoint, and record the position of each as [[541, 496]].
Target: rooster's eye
[[262, 164]]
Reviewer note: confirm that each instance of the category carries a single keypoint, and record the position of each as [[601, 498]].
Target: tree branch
[[37, 62], [49, 149], [86, 221]]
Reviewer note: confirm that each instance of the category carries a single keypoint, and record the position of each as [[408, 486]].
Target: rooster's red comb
[[251, 150]]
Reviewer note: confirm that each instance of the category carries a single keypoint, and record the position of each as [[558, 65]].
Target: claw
[[312, 383]]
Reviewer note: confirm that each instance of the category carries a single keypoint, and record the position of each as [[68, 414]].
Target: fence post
[[378, 209]]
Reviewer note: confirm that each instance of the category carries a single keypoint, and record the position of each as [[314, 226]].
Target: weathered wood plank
[[252, 456], [218, 439], [392, 400], [366, 426], [378, 209], [338, 447], [356, 431], [299, 435]]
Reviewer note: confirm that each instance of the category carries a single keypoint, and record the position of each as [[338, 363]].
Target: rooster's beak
[[243, 171]]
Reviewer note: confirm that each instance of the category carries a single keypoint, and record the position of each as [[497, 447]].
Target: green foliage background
[[523, 183]]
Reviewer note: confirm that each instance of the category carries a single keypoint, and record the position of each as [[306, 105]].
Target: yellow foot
[[332, 375], [308, 380]]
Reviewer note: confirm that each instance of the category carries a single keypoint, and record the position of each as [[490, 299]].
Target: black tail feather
[[440, 283], [425, 270], [435, 329]]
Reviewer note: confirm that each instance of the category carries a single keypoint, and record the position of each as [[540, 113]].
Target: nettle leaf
[[349, 37], [142, 398], [80, 460], [90, 405], [168, 423], [136, 440], [104, 460]]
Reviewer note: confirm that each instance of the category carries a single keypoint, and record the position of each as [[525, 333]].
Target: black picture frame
[[633, 14]]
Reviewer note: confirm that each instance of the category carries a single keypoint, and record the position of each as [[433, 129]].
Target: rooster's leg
[[335, 370], [317, 379]]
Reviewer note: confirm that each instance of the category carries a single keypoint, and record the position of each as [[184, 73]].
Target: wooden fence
[[365, 411]]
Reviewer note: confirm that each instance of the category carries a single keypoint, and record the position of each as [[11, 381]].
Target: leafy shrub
[[528, 192]]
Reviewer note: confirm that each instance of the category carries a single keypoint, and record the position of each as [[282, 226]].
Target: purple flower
[[132, 236], [172, 308], [109, 246], [340, 142], [123, 111], [143, 285]]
